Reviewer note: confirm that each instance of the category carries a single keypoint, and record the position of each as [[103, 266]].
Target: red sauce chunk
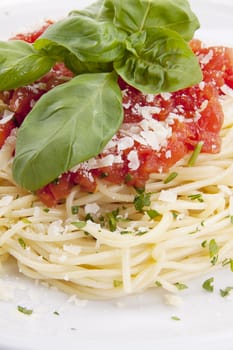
[[157, 131]]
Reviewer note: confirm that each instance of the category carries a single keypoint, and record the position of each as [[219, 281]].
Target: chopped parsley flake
[[170, 177], [231, 264], [125, 232], [175, 318], [175, 214], [79, 224], [74, 209], [22, 243], [56, 313], [194, 231], [24, 310], [208, 285], [153, 214], [180, 286], [195, 154], [213, 251], [226, 291], [142, 200], [228, 261], [46, 210], [204, 244], [117, 283], [89, 217], [112, 219], [141, 232], [158, 284], [26, 221], [197, 196]]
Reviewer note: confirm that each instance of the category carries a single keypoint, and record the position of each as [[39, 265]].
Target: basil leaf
[[158, 60], [79, 67], [20, 64], [100, 10], [88, 39], [137, 15], [68, 125]]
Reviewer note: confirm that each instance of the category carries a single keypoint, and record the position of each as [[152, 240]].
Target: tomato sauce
[[157, 131]]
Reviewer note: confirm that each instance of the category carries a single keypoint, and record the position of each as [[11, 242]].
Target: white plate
[[145, 320]]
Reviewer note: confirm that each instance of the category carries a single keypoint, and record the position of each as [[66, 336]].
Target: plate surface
[[143, 320]]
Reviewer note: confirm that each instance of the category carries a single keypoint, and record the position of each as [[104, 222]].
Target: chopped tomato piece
[[46, 197], [5, 130], [32, 36], [84, 179], [56, 191], [61, 187], [22, 101], [216, 63], [115, 173]]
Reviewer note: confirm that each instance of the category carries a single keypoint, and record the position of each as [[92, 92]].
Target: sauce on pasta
[[90, 232]]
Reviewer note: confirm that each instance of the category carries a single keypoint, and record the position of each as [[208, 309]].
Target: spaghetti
[[117, 240], [83, 258]]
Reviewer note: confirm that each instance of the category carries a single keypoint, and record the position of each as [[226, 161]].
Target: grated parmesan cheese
[[6, 117], [150, 98], [168, 196], [133, 160], [124, 143], [166, 95], [173, 300], [91, 208], [55, 228], [227, 90], [205, 59]]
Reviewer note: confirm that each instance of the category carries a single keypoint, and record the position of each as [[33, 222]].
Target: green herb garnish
[[74, 209], [153, 214], [112, 219], [208, 285], [142, 200], [89, 217], [197, 196], [26, 221], [170, 177], [145, 43], [195, 154], [175, 318], [158, 284], [126, 232], [79, 224], [175, 214], [213, 251], [225, 292], [117, 283], [22, 243], [204, 243], [180, 286], [24, 310], [228, 261]]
